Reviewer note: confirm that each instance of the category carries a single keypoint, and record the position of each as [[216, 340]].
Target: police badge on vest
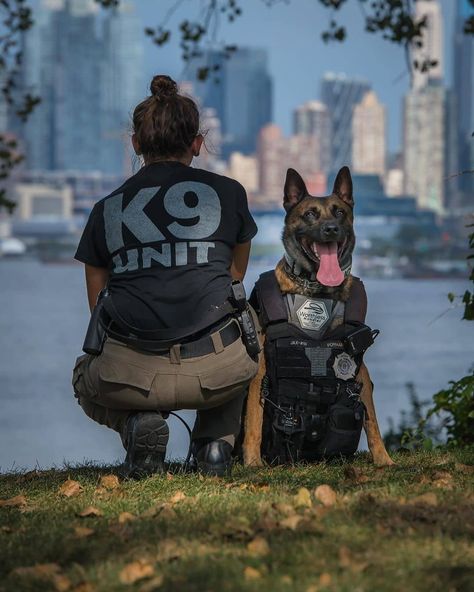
[[313, 393]]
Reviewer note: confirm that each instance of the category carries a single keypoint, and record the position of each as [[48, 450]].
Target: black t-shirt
[[167, 236]]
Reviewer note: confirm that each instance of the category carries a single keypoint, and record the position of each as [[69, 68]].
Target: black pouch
[[344, 426]]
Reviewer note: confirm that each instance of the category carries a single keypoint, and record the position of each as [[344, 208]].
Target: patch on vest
[[318, 356], [344, 366], [312, 314]]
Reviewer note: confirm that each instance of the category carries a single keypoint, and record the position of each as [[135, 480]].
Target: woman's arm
[[96, 280], [240, 260]]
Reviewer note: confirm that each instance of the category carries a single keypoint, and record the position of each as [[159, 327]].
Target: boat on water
[[12, 247]]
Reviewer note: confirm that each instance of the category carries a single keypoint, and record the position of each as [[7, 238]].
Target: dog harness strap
[[270, 300], [356, 305]]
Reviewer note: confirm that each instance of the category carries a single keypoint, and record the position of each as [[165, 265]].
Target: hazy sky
[[298, 58]]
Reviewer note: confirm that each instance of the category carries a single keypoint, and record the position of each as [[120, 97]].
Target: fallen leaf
[[90, 511], [152, 584], [428, 499], [48, 572], [135, 571], [258, 547], [326, 495], [464, 468], [109, 482], [325, 579], [283, 508], [345, 557], [355, 474], [291, 522], [7, 529], [286, 580], [266, 523], [302, 498], [169, 550], [82, 532], [14, 502], [169, 476], [83, 587], [70, 488], [126, 517], [250, 573], [179, 496], [443, 480], [237, 527]]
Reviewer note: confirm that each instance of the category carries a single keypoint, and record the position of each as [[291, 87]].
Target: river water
[[43, 317]]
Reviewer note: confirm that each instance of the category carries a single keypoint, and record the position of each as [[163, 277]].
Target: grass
[[403, 528]]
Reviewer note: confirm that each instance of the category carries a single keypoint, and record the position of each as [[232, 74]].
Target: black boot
[[145, 438], [213, 458]]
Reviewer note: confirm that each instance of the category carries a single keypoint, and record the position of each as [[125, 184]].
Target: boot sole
[[147, 447]]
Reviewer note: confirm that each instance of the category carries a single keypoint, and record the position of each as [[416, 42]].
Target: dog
[[318, 239]]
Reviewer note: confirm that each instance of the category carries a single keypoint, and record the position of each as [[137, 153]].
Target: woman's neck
[[186, 159]]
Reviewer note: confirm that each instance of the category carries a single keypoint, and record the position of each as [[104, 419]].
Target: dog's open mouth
[[327, 256]]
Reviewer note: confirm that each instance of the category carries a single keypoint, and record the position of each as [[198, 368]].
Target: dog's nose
[[330, 229]]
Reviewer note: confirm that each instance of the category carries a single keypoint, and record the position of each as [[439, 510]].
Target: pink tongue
[[329, 273]]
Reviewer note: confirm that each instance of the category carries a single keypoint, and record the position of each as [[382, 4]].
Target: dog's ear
[[343, 186], [295, 189]]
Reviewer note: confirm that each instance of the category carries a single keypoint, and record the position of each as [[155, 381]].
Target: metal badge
[[344, 366], [312, 314]]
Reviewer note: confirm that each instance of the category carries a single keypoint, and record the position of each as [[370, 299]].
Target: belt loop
[[217, 342], [175, 354]]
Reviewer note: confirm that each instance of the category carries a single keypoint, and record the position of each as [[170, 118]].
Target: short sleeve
[[247, 229], [92, 248]]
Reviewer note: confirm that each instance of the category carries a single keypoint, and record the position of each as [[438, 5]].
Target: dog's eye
[[339, 213], [310, 216]]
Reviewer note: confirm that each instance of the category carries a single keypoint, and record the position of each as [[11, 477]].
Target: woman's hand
[[96, 280], [240, 260]]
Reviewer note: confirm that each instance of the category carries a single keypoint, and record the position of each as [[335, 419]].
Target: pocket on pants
[[80, 377], [125, 375], [238, 369]]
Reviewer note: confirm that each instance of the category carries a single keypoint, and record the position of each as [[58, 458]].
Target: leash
[[188, 457]]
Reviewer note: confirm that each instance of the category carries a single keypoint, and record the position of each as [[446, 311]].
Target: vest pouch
[[344, 426]]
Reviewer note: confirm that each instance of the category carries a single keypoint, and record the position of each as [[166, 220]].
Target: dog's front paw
[[383, 460], [254, 461]]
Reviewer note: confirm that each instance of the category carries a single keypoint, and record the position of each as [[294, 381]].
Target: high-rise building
[[271, 171], [369, 136], [121, 85], [424, 145], [463, 83], [340, 93], [313, 119], [245, 170], [88, 81], [240, 91], [276, 154], [432, 48]]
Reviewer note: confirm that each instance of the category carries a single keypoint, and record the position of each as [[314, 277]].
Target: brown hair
[[166, 123]]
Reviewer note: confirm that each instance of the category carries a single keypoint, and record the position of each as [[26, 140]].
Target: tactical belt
[[215, 340]]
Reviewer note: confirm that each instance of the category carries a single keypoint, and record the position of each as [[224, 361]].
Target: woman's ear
[[136, 145], [196, 145]]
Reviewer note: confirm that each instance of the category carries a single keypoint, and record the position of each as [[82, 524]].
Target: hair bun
[[163, 86]]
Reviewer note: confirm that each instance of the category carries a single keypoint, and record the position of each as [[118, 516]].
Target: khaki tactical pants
[[122, 380]]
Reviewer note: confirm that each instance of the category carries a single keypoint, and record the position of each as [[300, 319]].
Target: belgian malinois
[[318, 236]]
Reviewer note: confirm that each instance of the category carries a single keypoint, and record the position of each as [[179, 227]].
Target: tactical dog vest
[[313, 351]]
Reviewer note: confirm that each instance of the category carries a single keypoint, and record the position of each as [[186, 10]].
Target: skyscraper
[[340, 93], [241, 93], [432, 48], [121, 85], [369, 136], [313, 119], [463, 69], [88, 82], [424, 145]]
